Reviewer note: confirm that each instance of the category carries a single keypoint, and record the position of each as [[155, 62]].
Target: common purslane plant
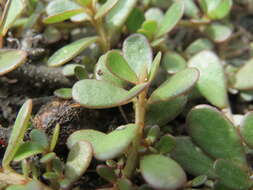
[[137, 62]]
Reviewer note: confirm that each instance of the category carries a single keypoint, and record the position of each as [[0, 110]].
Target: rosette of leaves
[[215, 148]]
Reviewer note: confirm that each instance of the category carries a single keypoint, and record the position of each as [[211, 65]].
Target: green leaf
[[191, 9], [243, 78], [231, 175], [118, 66], [153, 134], [118, 15], [215, 134], [173, 62], [39, 137], [218, 32], [65, 93], [10, 59], [48, 158], [60, 10], [198, 46], [162, 172], [199, 181], [102, 72], [171, 18], [69, 69], [246, 129], [191, 158], [82, 17], [107, 173], [13, 9], [81, 73], [166, 144], [55, 136], [162, 112], [149, 29], [78, 160], [50, 176], [27, 150], [154, 14], [155, 67], [138, 54], [180, 83], [106, 146], [18, 132], [135, 20], [69, 51], [105, 8], [211, 83], [101, 94], [84, 3], [124, 184]]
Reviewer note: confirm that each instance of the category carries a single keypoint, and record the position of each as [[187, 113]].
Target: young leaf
[[118, 15], [55, 137], [65, 93], [39, 137], [135, 19], [243, 78], [124, 184], [215, 134], [218, 32], [246, 129], [162, 172], [154, 14], [48, 158], [27, 150], [106, 146], [10, 59], [69, 69], [155, 67], [106, 173], [149, 29], [105, 8], [60, 10], [191, 9], [81, 73], [173, 62], [17, 133], [171, 18], [211, 83], [231, 175], [119, 67], [186, 152], [162, 112], [13, 8], [138, 54], [101, 94], [166, 144], [78, 161], [69, 51], [177, 85]]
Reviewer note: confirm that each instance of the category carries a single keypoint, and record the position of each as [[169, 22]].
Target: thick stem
[[1, 41]]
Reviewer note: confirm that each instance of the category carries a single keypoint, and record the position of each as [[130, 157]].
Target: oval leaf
[[69, 51], [119, 67], [78, 161], [106, 146], [65, 93], [39, 137], [211, 83], [161, 172], [218, 32], [173, 62], [178, 84], [243, 78], [138, 54], [246, 129], [101, 94], [17, 133], [215, 134], [105, 8], [11, 59], [171, 18]]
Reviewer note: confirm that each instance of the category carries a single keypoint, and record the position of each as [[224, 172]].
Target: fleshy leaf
[[154, 14], [102, 72], [171, 18], [27, 150], [191, 9], [106, 146], [199, 181], [231, 175], [186, 152], [106, 173], [65, 93], [215, 134], [198, 46], [84, 2], [13, 8], [101, 94], [164, 111], [135, 20], [166, 144], [55, 137], [10, 59], [162, 172], [246, 129], [218, 32], [119, 67], [60, 10], [211, 83], [78, 160], [178, 84], [173, 62], [69, 69], [243, 78], [118, 15], [124, 184], [155, 67], [69, 51], [39, 137], [105, 8], [17, 133], [138, 54]]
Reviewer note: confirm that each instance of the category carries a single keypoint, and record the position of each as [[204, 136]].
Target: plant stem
[[1, 41]]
